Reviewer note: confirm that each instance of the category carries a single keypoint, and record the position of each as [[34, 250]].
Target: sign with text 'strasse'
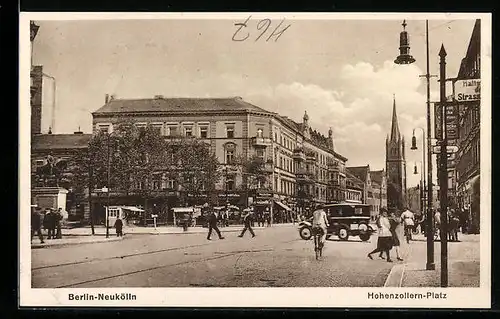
[[468, 90]]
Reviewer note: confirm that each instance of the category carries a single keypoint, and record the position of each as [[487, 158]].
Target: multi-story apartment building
[[469, 144], [303, 167], [374, 187], [354, 189], [36, 76]]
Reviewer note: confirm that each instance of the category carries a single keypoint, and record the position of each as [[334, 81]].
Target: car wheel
[[305, 233], [364, 236], [343, 233]]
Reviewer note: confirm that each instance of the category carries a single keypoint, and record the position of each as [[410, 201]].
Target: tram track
[[215, 256], [73, 263]]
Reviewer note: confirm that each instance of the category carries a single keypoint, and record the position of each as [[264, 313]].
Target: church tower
[[395, 162]]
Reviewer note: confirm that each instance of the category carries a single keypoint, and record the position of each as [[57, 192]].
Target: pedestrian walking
[[59, 215], [384, 241], [212, 225], [247, 220], [119, 227], [395, 222], [36, 224]]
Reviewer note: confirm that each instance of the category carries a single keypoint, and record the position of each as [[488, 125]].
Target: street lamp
[[406, 58], [414, 147], [422, 184]]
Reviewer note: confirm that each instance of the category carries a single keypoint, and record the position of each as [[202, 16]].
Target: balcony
[[334, 183], [311, 158], [333, 167], [261, 141], [304, 177], [298, 154]]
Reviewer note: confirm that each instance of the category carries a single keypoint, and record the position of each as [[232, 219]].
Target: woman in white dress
[[384, 242]]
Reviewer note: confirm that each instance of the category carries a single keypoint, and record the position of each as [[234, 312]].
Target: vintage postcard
[[255, 160]]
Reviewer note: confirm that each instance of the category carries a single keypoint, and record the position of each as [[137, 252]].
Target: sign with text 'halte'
[[468, 90]]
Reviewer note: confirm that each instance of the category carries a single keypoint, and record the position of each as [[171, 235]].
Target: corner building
[[303, 167]]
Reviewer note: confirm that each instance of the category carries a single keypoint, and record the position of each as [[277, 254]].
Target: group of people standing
[[388, 237], [51, 220]]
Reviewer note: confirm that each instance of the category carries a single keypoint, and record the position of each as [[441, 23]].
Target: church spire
[[395, 135]]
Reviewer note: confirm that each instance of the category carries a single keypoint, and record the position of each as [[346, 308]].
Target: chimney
[[112, 97], [106, 99]]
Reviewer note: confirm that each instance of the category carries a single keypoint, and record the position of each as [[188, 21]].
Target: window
[[188, 130], [229, 156], [230, 185], [260, 153], [104, 128], [276, 137], [156, 183], [172, 130], [141, 127], [204, 131], [230, 131]]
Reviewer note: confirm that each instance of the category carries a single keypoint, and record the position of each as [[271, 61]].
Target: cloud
[[359, 110]]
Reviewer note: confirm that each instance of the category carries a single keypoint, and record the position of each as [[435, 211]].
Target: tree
[[253, 171], [196, 168]]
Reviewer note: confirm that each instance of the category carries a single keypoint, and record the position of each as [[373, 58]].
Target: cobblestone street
[[276, 257]]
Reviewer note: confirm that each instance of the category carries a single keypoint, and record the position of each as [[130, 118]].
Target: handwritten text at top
[[262, 27]]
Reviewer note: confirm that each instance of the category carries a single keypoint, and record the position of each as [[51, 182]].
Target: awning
[[280, 204], [182, 210], [132, 208]]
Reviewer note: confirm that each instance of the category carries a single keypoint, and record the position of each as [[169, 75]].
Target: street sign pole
[[443, 171]]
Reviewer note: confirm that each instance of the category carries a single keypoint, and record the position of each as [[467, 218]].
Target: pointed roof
[[395, 135], [361, 172], [377, 176]]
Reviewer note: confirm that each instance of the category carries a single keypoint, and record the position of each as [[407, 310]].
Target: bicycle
[[318, 245]]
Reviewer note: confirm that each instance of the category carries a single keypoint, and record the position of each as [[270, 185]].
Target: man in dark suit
[[212, 225], [36, 224], [247, 220]]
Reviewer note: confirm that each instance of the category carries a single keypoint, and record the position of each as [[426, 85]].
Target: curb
[[50, 245]]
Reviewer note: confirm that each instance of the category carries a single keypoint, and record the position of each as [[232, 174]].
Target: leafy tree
[[196, 168]]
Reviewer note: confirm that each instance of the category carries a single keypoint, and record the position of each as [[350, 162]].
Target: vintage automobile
[[345, 220]]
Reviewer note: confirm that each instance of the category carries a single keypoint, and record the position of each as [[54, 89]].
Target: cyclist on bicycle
[[408, 219], [320, 223]]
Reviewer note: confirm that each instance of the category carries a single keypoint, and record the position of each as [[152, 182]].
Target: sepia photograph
[[255, 159]]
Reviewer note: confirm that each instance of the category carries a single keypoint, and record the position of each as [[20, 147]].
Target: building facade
[[469, 143], [395, 164], [36, 80], [373, 184], [303, 167]]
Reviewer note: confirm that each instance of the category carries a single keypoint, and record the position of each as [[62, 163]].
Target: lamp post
[[422, 178], [405, 58], [422, 184]]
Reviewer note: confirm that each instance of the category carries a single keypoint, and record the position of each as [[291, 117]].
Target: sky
[[340, 71]]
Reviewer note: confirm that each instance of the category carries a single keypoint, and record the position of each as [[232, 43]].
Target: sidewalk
[[463, 264], [160, 230], [75, 240]]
